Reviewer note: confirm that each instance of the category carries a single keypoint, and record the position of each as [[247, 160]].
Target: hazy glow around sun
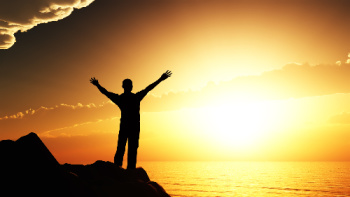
[[241, 125]]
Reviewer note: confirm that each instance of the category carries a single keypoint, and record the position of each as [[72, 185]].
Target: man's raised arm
[[164, 76], [97, 84]]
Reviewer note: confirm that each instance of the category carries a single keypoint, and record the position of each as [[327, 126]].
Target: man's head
[[127, 85]]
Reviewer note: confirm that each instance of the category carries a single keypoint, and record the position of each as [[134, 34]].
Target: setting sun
[[241, 125]]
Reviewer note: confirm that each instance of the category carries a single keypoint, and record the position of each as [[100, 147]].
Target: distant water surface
[[251, 179]]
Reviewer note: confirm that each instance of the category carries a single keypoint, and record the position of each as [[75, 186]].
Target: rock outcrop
[[27, 168]]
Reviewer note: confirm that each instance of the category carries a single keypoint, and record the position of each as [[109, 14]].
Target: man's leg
[[118, 158], [133, 144], [132, 154]]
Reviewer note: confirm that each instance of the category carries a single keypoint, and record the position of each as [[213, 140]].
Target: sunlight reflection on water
[[209, 179]]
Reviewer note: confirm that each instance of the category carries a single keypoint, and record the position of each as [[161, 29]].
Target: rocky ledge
[[27, 168]]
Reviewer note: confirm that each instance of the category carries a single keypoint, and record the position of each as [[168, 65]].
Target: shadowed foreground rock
[[27, 168]]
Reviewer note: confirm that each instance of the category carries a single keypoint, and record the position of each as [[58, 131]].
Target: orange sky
[[253, 80]]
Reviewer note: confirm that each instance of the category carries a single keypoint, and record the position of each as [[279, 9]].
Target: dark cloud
[[19, 15]]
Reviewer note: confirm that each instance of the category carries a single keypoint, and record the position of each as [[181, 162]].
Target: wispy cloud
[[348, 60], [43, 109], [82, 129], [18, 15], [59, 117], [343, 118]]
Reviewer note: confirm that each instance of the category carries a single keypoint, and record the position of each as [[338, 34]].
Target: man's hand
[[166, 75], [94, 81]]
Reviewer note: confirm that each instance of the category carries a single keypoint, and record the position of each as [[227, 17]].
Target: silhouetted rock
[[28, 168]]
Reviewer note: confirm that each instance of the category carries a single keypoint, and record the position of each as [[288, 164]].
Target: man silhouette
[[129, 105]]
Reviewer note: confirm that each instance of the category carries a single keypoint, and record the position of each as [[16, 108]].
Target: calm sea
[[252, 179]]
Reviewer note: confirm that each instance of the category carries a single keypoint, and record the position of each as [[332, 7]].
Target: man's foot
[[120, 166]]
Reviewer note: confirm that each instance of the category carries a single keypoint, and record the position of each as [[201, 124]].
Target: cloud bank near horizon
[[291, 81], [17, 15]]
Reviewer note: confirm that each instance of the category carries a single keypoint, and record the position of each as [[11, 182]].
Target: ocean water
[[252, 179]]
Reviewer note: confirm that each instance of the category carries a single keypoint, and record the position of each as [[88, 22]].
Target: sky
[[252, 80]]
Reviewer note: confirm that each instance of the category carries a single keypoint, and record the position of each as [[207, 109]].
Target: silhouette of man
[[129, 105]]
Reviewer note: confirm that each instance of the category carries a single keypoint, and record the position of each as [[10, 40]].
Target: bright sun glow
[[239, 126]]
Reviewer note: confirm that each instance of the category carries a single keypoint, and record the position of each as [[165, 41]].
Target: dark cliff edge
[[27, 168]]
